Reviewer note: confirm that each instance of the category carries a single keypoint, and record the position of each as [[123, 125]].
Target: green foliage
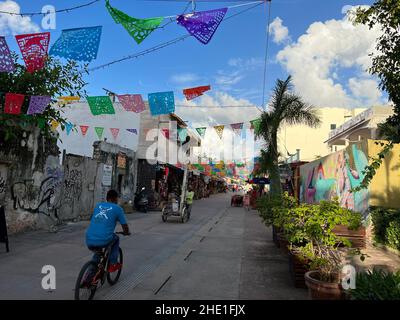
[[376, 285], [272, 207], [386, 62], [386, 226], [285, 107], [54, 80], [393, 234], [370, 170], [322, 244]]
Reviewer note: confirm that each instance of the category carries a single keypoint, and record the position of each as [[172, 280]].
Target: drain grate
[[201, 240]]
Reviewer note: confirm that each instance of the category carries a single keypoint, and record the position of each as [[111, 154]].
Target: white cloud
[[279, 31], [14, 24], [212, 145], [228, 79], [184, 78], [366, 89], [316, 58]]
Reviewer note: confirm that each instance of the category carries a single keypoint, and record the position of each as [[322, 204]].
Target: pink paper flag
[[132, 102], [84, 129], [114, 132], [34, 49], [13, 103]]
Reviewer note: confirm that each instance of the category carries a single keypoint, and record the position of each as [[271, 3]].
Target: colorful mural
[[334, 176]]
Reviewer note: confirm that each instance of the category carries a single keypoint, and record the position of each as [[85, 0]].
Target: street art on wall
[[334, 176]]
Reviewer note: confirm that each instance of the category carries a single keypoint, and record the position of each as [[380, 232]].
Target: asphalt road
[[152, 243]]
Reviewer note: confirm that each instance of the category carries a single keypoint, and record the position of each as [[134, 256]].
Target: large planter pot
[[275, 232], [356, 237], [297, 269], [321, 290], [283, 243]]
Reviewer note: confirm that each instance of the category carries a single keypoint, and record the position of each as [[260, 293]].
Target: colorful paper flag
[[255, 124], [34, 49], [80, 44], [202, 25], [13, 103], [192, 93], [139, 29], [165, 132], [201, 131], [54, 124], [68, 127], [100, 105], [237, 127], [38, 104], [6, 60], [99, 131], [132, 131], [161, 103], [182, 134], [84, 129], [68, 99], [219, 130], [114, 132], [132, 102]]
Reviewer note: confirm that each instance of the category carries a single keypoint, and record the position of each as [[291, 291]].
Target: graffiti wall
[[334, 176]]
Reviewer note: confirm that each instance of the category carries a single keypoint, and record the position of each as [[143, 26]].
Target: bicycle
[[92, 274]]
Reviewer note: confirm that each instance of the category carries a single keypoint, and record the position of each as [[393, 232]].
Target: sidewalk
[[231, 257]]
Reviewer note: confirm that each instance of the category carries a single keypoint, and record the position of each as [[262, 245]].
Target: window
[[333, 126]]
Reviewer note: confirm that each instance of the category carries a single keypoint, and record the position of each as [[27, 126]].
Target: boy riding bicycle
[[101, 229]]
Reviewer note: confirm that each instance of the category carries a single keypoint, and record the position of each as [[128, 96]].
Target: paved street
[[221, 253]]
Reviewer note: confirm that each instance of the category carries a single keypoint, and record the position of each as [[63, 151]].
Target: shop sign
[[121, 161], [107, 175]]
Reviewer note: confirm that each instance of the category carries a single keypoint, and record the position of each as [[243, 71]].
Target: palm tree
[[285, 108]]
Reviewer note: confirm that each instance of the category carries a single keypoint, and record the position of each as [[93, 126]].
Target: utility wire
[[162, 45], [67, 10], [266, 54]]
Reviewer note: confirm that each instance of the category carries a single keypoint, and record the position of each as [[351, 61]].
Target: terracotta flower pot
[[321, 290], [283, 243], [297, 270]]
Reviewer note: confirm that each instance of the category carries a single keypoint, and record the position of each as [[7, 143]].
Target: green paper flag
[[99, 131], [255, 124], [201, 131], [139, 29], [100, 105]]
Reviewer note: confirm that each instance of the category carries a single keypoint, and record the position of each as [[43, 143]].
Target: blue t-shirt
[[103, 223]]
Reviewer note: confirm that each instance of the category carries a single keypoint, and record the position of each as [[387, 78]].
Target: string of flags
[[84, 129]]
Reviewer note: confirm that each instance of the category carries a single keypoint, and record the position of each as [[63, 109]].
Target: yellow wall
[[384, 189], [311, 141]]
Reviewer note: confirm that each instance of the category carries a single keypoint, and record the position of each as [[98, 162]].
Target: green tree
[[55, 79], [288, 108]]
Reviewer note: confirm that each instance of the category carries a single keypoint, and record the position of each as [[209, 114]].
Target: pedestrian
[[189, 201]]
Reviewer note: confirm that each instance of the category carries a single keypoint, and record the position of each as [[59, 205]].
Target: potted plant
[[272, 209], [324, 249]]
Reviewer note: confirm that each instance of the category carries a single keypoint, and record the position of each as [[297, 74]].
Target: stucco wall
[[336, 174], [385, 187]]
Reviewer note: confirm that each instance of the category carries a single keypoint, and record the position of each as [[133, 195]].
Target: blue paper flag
[[68, 127], [80, 44], [161, 102], [182, 134], [132, 131]]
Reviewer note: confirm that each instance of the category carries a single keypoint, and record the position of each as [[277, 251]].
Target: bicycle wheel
[[84, 288], [112, 277]]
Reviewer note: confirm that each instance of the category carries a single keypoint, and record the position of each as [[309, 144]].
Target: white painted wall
[[79, 114]]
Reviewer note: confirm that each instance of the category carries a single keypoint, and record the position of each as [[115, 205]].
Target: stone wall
[[41, 192]]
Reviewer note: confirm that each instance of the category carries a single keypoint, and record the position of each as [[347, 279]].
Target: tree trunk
[[276, 187]]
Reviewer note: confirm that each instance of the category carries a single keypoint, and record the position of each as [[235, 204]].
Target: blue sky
[[242, 37]]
